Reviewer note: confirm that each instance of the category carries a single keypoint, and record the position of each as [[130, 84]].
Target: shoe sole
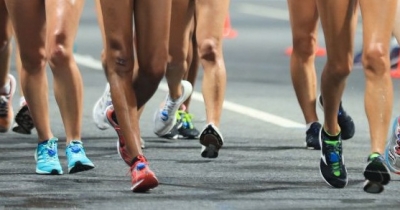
[[23, 121], [79, 167], [376, 177], [212, 144], [147, 183], [53, 172]]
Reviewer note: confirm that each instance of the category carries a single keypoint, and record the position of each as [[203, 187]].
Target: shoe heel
[[373, 187]]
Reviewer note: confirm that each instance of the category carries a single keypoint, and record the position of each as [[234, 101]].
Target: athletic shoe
[[46, 157], [143, 179], [165, 118], [112, 120], [312, 136], [211, 140], [345, 121], [6, 109], [76, 157], [99, 109], [376, 174], [331, 166], [23, 121], [392, 150], [187, 130], [174, 132]]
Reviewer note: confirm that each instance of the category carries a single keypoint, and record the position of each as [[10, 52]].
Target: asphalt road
[[263, 164]]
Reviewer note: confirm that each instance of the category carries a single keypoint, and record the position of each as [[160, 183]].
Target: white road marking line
[[90, 62]]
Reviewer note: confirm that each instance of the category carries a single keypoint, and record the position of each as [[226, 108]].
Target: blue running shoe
[[76, 157], [46, 157]]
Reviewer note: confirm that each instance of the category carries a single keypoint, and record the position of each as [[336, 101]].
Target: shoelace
[[334, 157], [141, 163], [169, 105], [76, 149], [51, 150], [186, 119], [3, 105]]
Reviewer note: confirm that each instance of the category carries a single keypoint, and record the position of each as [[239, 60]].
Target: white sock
[[308, 125], [6, 89], [21, 100]]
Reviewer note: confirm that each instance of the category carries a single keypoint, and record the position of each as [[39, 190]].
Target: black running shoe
[[312, 136], [345, 122], [376, 174], [211, 141], [23, 121], [187, 130], [331, 166]]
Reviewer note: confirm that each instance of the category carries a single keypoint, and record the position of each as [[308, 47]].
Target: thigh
[[152, 24], [210, 19], [62, 22], [118, 34], [338, 18], [28, 20], [378, 20], [303, 17]]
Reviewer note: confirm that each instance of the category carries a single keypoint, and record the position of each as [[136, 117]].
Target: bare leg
[[62, 24], [32, 51], [304, 19], [210, 17], [378, 85]]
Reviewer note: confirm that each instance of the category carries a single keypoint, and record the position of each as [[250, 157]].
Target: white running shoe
[[165, 119], [99, 109]]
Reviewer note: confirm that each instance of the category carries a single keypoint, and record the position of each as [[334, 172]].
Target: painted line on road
[[92, 63]]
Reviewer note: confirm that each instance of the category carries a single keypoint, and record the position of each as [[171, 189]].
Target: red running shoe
[[143, 179], [112, 119]]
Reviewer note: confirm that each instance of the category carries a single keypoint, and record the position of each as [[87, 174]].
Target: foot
[[76, 157], [376, 174], [211, 140], [6, 109], [46, 157], [99, 109], [165, 118], [312, 136], [332, 167]]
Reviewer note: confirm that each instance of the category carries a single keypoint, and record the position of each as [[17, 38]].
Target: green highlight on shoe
[[186, 119], [374, 155], [334, 157]]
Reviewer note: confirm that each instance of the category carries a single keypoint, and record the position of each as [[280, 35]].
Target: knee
[[375, 59], [58, 53], [339, 68], [304, 46], [153, 70], [118, 62], [33, 61], [209, 50]]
